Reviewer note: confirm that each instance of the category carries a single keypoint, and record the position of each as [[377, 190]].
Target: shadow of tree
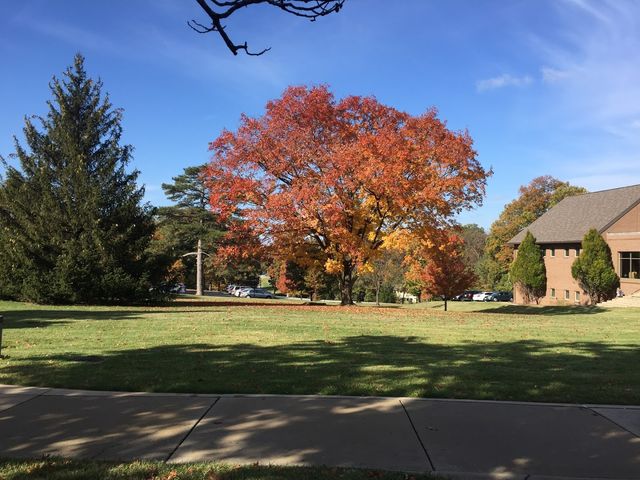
[[553, 310], [40, 318], [591, 372]]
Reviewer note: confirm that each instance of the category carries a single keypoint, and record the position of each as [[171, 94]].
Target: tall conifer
[[73, 226], [528, 271], [593, 269]]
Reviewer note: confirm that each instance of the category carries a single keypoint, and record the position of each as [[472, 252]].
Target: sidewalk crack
[[191, 430], [424, 448], [25, 401], [602, 415]]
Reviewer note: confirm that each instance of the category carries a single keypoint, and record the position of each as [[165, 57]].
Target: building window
[[567, 295], [577, 296], [553, 293], [566, 252], [552, 252], [629, 264]]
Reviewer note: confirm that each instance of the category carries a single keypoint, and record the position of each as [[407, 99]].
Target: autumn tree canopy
[[344, 174], [439, 266], [534, 199]]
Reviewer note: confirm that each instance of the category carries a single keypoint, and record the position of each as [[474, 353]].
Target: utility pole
[[198, 253], [199, 268]]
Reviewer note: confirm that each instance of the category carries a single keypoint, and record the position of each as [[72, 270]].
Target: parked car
[[499, 297], [256, 293], [169, 288], [237, 291], [178, 288], [243, 291], [480, 296], [466, 296]]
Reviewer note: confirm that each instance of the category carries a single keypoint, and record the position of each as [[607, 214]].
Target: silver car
[[256, 293]]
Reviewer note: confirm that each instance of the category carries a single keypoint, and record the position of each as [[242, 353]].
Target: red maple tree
[[343, 174], [438, 266]]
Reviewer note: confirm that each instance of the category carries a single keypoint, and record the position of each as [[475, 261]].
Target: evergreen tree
[[528, 271], [73, 226], [181, 225], [593, 269], [535, 199]]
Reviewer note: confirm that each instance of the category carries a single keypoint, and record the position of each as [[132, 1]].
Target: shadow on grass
[[553, 310], [530, 370], [47, 318], [238, 303]]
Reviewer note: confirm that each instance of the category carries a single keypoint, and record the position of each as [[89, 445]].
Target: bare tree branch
[[218, 10]]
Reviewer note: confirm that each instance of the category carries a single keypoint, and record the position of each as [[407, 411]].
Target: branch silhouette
[[217, 11]]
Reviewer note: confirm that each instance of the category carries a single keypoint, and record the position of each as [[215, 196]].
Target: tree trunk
[[445, 304], [347, 280], [377, 294]]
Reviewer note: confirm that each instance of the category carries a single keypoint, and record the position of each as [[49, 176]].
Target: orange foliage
[[342, 174], [438, 266]]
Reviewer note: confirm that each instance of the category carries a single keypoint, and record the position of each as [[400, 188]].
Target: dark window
[[629, 264]]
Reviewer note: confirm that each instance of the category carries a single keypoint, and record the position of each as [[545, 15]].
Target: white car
[[235, 291], [479, 297], [241, 291]]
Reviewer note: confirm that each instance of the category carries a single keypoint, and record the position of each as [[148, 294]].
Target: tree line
[[332, 198]]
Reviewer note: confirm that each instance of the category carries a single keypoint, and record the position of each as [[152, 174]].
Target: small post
[[1, 326]]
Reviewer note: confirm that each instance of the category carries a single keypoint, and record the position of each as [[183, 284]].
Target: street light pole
[[199, 268], [198, 253]]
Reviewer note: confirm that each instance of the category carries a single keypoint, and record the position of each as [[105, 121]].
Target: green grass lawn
[[62, 469], [476, 350]]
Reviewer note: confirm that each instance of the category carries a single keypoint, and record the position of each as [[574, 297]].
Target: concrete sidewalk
[[462, 439]]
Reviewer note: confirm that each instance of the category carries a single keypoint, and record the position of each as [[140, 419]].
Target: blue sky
[[544, 87]]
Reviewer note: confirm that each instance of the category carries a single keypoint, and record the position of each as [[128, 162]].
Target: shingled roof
[[573, 217]]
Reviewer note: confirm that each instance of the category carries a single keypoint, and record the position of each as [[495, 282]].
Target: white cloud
[[595, 183], [604, 170], [504, 80], [590, 8], [590, 63], [553, 75]]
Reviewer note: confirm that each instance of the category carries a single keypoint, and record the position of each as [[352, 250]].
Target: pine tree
[[528, 271], [73, 226], [593, 269], [181, 225]]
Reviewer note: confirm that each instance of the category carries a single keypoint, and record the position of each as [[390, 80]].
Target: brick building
[[614, 213]]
